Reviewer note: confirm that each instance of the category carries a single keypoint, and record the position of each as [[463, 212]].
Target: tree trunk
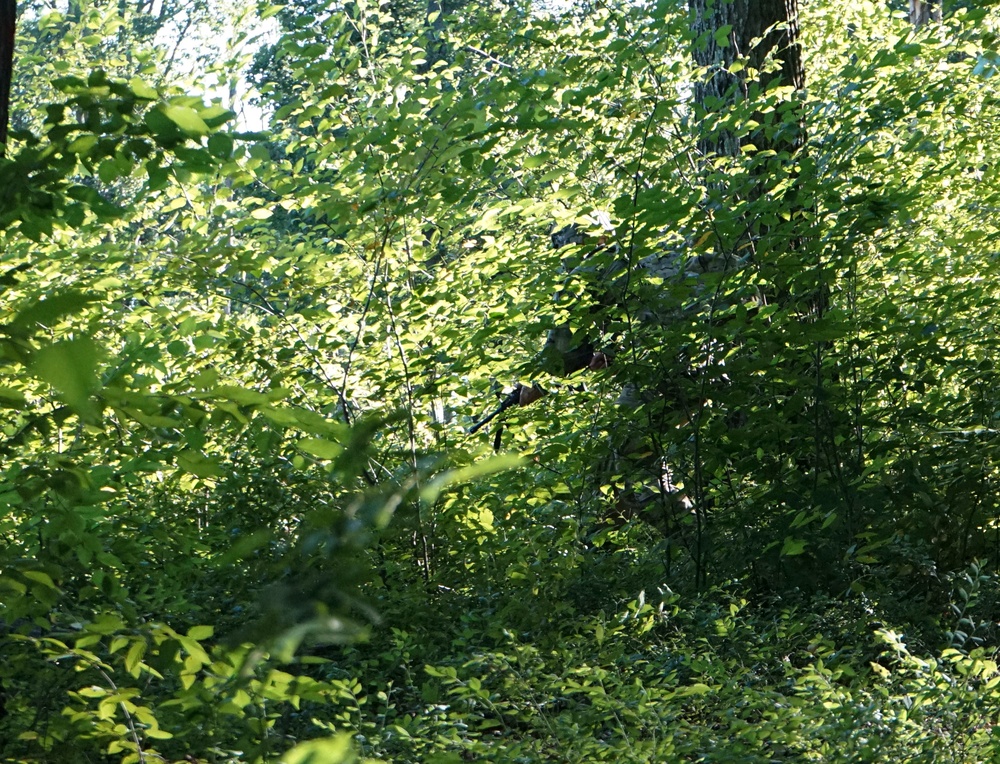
[[922, 11], [756, 28], [750, 32], [8, 24]]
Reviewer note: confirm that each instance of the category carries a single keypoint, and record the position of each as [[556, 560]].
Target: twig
[[488, 57]]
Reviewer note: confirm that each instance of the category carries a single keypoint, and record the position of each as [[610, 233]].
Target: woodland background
[[725, 272]]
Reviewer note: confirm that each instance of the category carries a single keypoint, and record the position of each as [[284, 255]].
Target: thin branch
[[488, 57]]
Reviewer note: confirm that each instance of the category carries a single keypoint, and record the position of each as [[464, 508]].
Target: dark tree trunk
[[922, 11], [753, 33], [748, 21], [8, 23]]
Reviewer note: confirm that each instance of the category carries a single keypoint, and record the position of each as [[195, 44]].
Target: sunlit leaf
[[186, 119], [320, 448], [70, 366]]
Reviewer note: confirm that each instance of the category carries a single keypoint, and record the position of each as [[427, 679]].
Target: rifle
[[512, 399]]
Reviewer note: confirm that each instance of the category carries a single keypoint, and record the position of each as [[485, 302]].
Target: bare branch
[[487, 56]]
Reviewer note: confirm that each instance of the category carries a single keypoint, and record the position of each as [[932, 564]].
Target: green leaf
[[48, 310], [270, 9], [320, 448], [106, 623], [134, 657], [70, 367], [220, 145], [432, 490], [721, 35], [242, 395], [107, 171], [143, 90], [698, 688], [43, 578], [199, 464], [793, 547], [82, 145], [12, 398], [186, 119], [336, 750], [196, 652], [215, 116]]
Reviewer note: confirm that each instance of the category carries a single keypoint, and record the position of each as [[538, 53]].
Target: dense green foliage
[[246, 514]]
